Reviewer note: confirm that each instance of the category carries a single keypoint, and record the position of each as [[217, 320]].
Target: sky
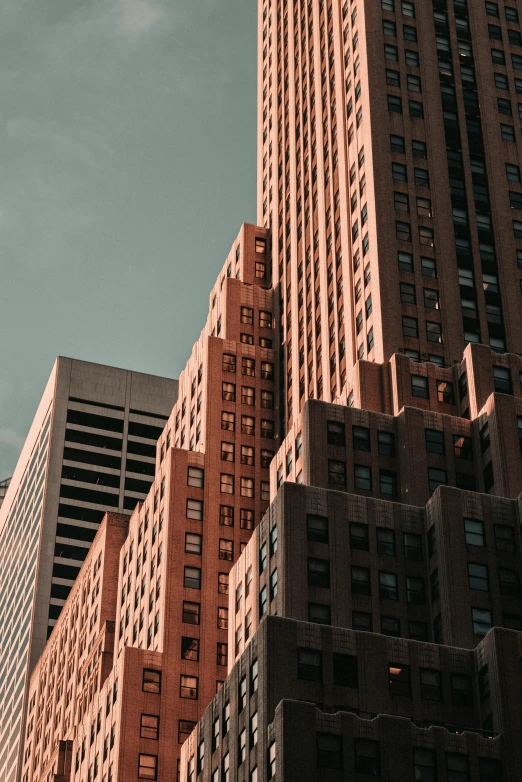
[[127, 165]]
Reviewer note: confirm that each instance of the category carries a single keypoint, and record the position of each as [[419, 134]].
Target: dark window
[[474, 532], [310, 665], [362, 621], [386, 541], [509, 582], [482, 620], [399, 680], [317, 528], [504, 538], [462, 447], [319, 613], [336, 433], [388, 483], [490, 769], [362, 477], [318, 573], [394, 104], [431, 684], [436, 478], [337, 472], [412, 546], [345, 670], [502, 380], [457, 765], [361, 438], [461, 690], [388, 586], [419, 387], [434, 441], [415, 590], [367, 757], [359, 536], [386, 443], [329, 750], [390, 625], [397, 144], [361, 581]]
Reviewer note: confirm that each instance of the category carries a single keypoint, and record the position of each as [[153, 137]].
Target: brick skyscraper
[[388, 159], [372, 625]]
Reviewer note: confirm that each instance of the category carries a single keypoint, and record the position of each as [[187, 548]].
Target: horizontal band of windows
[[54, 611], [147, 431], [65, 571], [94, 421], [75, 533], [90, 476], [140, 468], [79, 513], [96, 404], [67, 551], [141, 449], [92, 457], [59, 591], [96, 440], [135, 485], [149, 415], [88, 495], [129, 503]]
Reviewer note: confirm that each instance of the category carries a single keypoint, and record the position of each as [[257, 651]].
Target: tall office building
[[388, 159], [372, 624], [91, 448], [4, 485]]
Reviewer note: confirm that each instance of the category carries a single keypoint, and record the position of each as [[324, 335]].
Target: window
[[195, 477], [248, 425], [391, 53], [436, 478], [504, 106], [195, 510], [474, 532], [413, 83], [419, 387], [191, 613], [431, 684], [399, 680], [386, 541], [511, 14], [361, 581], [462, 447], [319, 613], [361, 438], [227, 452], [345, 670], [386, 443], [247, 487], [388, 483], [445, 392], [415, 590], [265, 319], [507, 132], [394, 104], [190, 648], [247, 316], [309, 665], [457, 765], [434, 441], [482, 620], [267, 429], [319, 573], [335, 433], [248, 395], [504, 538], [337, 472], [397, 144], [393, 78], [226, 549], [329, 750], [267, 370], [362, 477], [149, 727], [151, 681], [248, 367], [389, 28], [478, 576], [403, 231], [502, 380], [412, 546], [509, 582], [425, 767], [388, 586], [498, 57], [227, 484], [228, 421], [229, 362], [193, 543], [359, 536], [317, 528], [407, 292], [490, 769], [367, 757], [228, 392], [147, 766]]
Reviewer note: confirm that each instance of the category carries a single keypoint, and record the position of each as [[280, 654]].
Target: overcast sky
[[127, 165]]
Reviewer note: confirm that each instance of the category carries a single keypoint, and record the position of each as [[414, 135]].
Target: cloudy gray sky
[[127, 164]]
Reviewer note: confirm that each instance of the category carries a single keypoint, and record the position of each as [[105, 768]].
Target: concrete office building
[[91, 448], [4, 485]]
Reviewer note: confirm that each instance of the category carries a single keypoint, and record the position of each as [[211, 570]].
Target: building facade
[[4, 485], [91, 449], [348, 428]]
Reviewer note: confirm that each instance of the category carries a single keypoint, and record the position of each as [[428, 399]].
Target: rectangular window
[[317, 528], [415, 590], [399, 680], [367, 757], [504, 538], [195, 477], [412, 546], [436, 478], [425, 767], [190, 648], [434, 441], [457, 765], [419, 387], [362, 477], [361, 581], [309, 665], [191, 613], [151, 681], [329, 751], [335, 433], [431, 684], [482, 621], [149, 727], [147, 766], [359, 538], [319, 573], [337, 472], [386, 541], [388, 586], [478, 576]]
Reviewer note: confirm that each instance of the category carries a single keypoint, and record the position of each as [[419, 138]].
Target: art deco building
[[91, 448], [349, 425]]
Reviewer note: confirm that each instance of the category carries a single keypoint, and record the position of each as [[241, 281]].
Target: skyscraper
[[90, 449], [365, 345], [388, 159]]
